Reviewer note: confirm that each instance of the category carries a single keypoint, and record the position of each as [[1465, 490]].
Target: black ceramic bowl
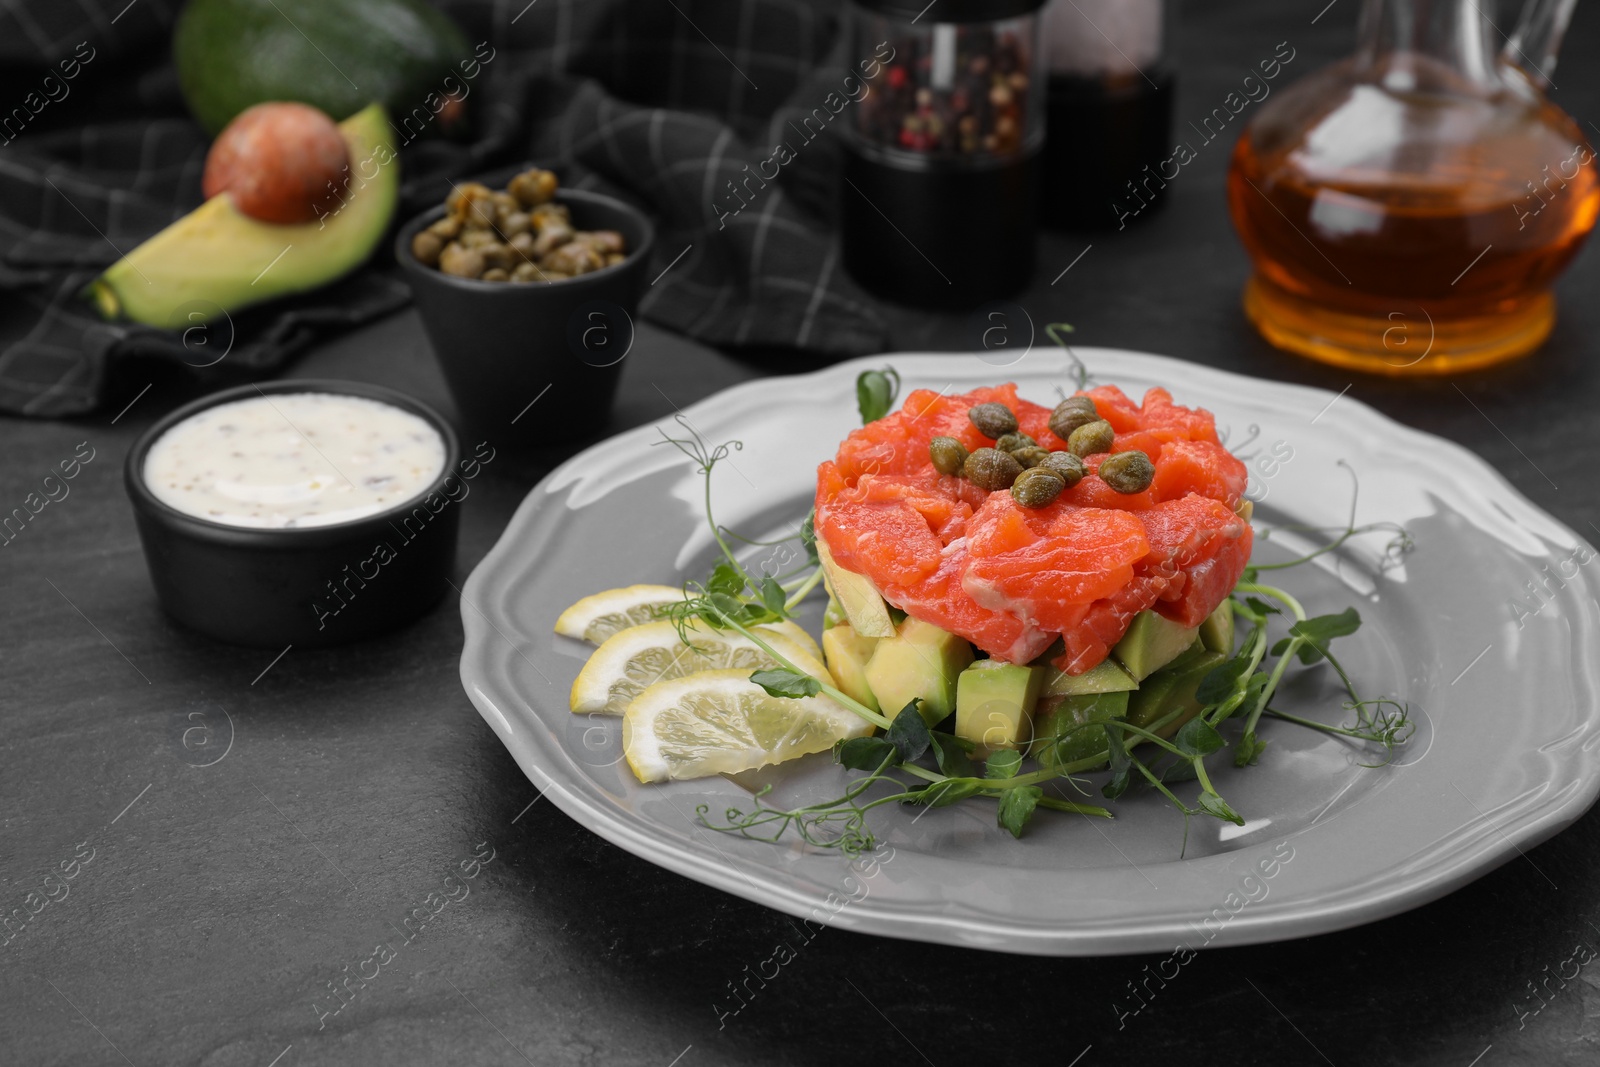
[[558, 346], [320, 585]]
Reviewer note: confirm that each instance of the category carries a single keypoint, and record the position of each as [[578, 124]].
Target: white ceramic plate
[[1488, 629]]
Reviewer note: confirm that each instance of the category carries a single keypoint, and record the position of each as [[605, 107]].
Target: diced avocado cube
[[856, 594], [994, 703], [847, 653], [1152, 642], [833, 615], [920, 662], [1108, 676], [1196, 649], [1217, 630], [1060, 731], [1171, 692]]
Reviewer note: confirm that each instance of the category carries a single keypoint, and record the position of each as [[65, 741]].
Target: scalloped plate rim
[[1462, 862]]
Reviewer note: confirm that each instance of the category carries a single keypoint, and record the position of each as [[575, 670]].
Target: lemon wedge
[[597, 617], [720, 722], [631, 659]]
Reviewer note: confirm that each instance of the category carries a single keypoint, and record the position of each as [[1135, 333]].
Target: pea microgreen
[[876, 391], [909, 734], [782, 682], [1017, 807], [1057, 332]]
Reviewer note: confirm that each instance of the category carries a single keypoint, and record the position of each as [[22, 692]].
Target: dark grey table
[[212, 908]]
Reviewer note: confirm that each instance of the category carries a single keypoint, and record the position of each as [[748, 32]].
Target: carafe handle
[[1534, 43]]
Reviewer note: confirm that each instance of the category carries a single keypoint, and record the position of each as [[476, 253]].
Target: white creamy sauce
[[294, 460]]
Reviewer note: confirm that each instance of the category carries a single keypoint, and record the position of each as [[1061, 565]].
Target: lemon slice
[[796, 633], [720, 722], [639, 656], [597, 617]]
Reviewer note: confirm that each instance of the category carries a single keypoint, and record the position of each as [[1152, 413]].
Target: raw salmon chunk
[[1012, 579]]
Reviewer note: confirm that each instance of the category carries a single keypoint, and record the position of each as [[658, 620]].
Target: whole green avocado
[[336, 55]]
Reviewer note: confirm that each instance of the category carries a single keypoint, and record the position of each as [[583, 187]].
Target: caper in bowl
[[517, 234]]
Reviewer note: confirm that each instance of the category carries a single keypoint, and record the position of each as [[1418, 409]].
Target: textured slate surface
[[215, 909]]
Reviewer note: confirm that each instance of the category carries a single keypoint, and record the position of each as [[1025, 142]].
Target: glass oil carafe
[[1408, 208]]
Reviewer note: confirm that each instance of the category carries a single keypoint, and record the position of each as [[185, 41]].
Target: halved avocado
[[214, 260]]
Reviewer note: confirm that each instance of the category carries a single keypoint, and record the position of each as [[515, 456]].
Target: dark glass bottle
[[1108, 110]]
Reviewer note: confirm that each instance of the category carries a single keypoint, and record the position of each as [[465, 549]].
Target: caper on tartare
[[993, 420], [1071, 413], [1127, 472], [947, 454], [1067, 465], [1030, 456], [1036, 487], [1011, 442], [991, 469], [1092, 437]]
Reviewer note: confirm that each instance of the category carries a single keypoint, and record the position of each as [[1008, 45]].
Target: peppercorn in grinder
[[938, 203]]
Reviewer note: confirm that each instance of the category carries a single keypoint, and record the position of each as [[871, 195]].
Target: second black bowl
[[535, 363], [311, 586]]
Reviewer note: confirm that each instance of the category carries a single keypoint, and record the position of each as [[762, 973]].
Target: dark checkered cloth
[[661, 102]]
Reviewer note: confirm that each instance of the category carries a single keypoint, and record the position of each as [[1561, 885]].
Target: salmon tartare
[[973, 559]]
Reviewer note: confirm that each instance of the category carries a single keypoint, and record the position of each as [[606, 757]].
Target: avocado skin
[[233, 54]]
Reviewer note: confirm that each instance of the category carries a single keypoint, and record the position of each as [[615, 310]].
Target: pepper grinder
[[938, 202]]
